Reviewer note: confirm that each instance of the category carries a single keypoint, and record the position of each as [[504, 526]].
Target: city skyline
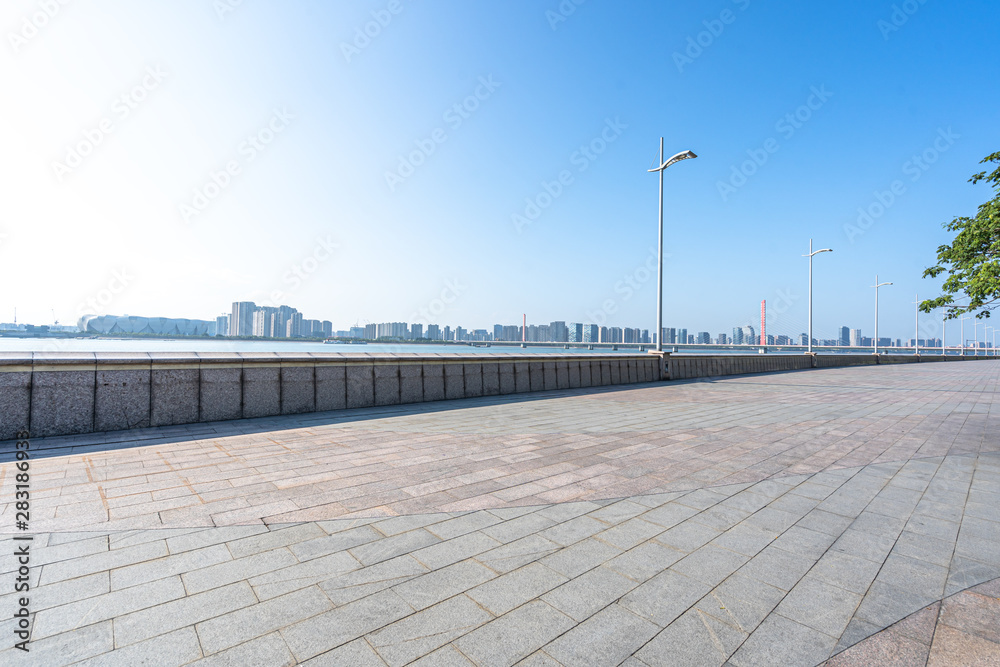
[[367, 177], [249, 320], [930, 325]]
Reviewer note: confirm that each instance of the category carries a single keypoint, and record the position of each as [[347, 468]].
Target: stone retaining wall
[[836, 360], [681, 367], [705, 365], [67, 393]]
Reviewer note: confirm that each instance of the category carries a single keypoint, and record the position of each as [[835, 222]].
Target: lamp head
[[684, 155]]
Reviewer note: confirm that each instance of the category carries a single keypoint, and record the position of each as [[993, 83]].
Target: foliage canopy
[[973, 258]]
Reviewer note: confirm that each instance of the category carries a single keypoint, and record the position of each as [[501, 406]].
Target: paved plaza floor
[[846, 515]]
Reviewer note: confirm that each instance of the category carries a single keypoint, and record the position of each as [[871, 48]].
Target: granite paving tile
[[759, 519]]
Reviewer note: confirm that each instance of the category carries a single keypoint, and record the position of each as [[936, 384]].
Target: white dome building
[[156, 326]]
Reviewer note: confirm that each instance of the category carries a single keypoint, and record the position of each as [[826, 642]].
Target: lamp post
[[876, 286], [659, 263], [810, 256], [944, 319], [961, 321]]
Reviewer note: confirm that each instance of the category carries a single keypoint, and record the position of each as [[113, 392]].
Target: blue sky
[[273, 152]]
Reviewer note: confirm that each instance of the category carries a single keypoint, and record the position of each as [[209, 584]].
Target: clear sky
[[479, 160]]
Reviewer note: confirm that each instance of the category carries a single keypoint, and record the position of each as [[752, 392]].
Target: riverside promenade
[[844, 515]]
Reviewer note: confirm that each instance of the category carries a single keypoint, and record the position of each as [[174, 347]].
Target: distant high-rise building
[[241, 320], [507, 332], [396, 330], [461, 334], [804, 340], [558, 332], [737, 336], [416, 331], [843, 336], [750, 335], [327, 329], [855, 338], [260, 318], [222, 325], [446, 334], [591, 333], [682, 336], [263, 318], [293, 328], [538, 333], [723, 339], [279, 321], [433, 332], [371, 331], [703, 338], [575, 334]]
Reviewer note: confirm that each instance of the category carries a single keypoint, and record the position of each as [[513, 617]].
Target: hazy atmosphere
[[359, 160]]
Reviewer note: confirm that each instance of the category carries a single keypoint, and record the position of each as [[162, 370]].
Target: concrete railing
[[66, 393], [680, 367]]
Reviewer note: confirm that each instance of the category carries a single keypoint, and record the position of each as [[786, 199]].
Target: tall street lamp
[[659, 264], [944, 320], [876, 286], [810, 256]]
